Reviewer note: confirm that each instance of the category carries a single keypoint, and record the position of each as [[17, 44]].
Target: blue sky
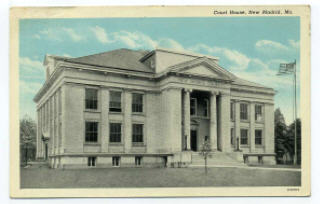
[[250, 47]]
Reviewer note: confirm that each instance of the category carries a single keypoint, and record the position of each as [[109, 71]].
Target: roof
[[133, 60], [120, 58], [239, 81], [185, 52]]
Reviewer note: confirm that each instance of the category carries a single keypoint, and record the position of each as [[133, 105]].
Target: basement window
[[138, 160], [115, 161], [92, 161]]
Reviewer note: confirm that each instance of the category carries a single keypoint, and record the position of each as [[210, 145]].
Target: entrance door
[[193, 140]]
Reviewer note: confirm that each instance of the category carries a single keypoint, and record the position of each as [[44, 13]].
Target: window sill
[[91, 144], [259, 146], [138, 144], [244, 146], [115, 144], [115, 113], [259, 122], [244, 121], [92, 110], [138, 113]]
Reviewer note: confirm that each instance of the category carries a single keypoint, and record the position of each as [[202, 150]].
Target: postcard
[[160, 101]]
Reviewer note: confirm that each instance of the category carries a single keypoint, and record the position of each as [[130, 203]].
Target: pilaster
[[63, 118], [51, 125], [268, 133], [224, 122], [104, 107], [252, 127], [237, 124], [57, 122], [174, 102], [104, 126], [38, 132], [127, 99]]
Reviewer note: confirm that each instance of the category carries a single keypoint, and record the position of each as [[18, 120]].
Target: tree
[[284, 138], [291, 138], [282, 144], [28, 132], [205, 152]]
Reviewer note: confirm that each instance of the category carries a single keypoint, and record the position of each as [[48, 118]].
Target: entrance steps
[[37, 164], [218, 159]]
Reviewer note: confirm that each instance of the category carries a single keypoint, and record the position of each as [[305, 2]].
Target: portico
[[200, 119]]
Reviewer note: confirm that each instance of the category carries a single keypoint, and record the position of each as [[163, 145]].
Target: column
[[213, 121], [224, 122], [127, 120], [104, 126], [252, 127], [187, 116], [237, 124]]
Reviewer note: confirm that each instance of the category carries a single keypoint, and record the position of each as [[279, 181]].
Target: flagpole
[[295, 114]]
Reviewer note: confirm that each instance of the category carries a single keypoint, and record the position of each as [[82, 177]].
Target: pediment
[[201, 70], [205, 69]]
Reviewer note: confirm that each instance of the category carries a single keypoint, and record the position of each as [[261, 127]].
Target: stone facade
[[186, 100]]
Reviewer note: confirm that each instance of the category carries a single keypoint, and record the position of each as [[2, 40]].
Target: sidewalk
[[272, 168]]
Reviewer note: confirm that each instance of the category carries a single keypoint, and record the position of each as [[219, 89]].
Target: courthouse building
[[149, 108]]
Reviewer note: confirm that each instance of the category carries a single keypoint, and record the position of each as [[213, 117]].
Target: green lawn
[[156, 177]]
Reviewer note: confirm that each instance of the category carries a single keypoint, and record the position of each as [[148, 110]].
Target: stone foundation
[[260, 159], [76, 162]]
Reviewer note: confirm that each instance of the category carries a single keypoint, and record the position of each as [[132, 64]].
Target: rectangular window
[[92, 99], [91, 132], [138, 161], [92, 161], [115, 101], [206, 108], [244, 137], [232, 110], [137, 103], [137, 133], [243, 111], [115, 132], [258, 137], [258, 113], [193, 106], [231, 136], [115, 161]]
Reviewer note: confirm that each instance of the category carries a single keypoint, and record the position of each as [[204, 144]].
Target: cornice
[[252, 91], [63, 64]]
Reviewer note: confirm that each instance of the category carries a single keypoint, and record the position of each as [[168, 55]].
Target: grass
[[155, 177]]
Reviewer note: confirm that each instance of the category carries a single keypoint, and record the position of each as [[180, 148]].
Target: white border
[[4, 78]]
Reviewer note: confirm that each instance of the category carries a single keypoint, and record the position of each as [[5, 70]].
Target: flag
[[287, 67]]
